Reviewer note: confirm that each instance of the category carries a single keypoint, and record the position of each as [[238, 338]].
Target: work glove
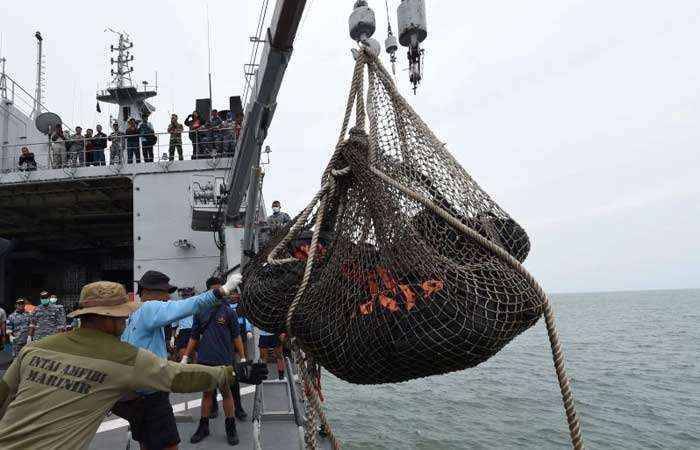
[[249, 373], [231, 283], [185, 359]]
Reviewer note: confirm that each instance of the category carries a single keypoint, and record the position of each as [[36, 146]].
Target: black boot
[[202, 431], [231, 433], [280, 374], [214, 411]]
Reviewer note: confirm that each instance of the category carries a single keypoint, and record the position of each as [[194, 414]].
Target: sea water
[[634, 362]]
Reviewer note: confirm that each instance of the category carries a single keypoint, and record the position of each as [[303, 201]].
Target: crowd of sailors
[[214, 137], [138, 352]]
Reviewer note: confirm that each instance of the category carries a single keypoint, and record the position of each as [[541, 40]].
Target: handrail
[[299, 418], [42, 107], [198, 131], [257, 416]]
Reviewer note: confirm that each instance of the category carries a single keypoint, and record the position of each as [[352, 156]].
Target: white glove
[[29, 339], [232, 283], [242, 360], [12, 338], [185, 359]]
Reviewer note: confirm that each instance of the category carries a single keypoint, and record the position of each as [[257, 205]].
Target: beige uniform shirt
[[58, 390]]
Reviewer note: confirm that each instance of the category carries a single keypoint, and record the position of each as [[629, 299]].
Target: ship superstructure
[[131, 100], [73, 223]]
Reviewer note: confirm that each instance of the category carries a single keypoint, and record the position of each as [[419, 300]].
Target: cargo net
[[402, 266]]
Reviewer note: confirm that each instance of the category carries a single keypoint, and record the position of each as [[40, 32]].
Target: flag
[[98, 107]]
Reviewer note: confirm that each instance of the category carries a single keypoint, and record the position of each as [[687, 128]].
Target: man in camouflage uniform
[[278, 219], [53, 299], [18, 327], [46, 319]]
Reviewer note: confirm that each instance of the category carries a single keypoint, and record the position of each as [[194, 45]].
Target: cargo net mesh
[[402, 266]]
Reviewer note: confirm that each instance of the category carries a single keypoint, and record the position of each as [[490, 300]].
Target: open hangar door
[[64, 235]]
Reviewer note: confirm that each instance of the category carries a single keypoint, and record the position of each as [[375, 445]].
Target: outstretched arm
[[151, 372], [161, 314]]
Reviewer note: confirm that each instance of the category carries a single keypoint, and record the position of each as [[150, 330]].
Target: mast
[[209, 57], [3, 78], [122, 76], [38, 95]]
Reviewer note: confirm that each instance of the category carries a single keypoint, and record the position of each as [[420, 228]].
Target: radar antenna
[[122, 75]]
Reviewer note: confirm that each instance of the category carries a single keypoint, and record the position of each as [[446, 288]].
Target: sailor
[[270, 341], [18, 327], [57, 391], [277, 219], [3, 327], [53, 300], [216, 333], [183, 327], [46, 319], [155, 426], [245, 325]]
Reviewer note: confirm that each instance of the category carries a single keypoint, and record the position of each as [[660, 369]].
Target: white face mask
[[276, 209], [53, 300]]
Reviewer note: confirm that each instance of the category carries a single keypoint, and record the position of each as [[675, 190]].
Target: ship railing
[[147, 87], [70, 153], [14, 94]]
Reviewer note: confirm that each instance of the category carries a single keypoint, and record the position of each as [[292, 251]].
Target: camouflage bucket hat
[[105, 298]]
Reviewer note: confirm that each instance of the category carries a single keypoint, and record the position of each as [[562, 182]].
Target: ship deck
[[277, 431]]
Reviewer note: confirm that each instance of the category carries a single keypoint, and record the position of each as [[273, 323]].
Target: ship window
[[126, 113]]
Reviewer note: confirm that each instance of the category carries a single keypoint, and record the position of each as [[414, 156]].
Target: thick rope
[[355, 99], [375, 67]]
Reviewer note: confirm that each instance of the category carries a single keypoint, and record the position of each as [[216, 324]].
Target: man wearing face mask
[[46, 319], [18, 327], [278, 219], [53, 301], [57, 391]]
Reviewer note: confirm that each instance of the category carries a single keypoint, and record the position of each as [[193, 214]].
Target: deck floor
[[276, 435]]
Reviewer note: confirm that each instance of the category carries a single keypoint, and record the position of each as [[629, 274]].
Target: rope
[[355, 99], [374, 67]]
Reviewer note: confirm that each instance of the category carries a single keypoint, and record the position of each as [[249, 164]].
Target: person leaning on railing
[[58, 148], [175, 130], [26, 160], [76, 149], [228, 133], [133, 138], [194, 123], [148, 138], [116, 148], [99, 144], [89, 147]]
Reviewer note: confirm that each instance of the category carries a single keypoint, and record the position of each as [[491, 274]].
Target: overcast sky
[[580, 117]]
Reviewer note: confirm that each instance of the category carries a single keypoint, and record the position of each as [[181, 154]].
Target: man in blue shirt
[[156, 427], [216, 332]]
